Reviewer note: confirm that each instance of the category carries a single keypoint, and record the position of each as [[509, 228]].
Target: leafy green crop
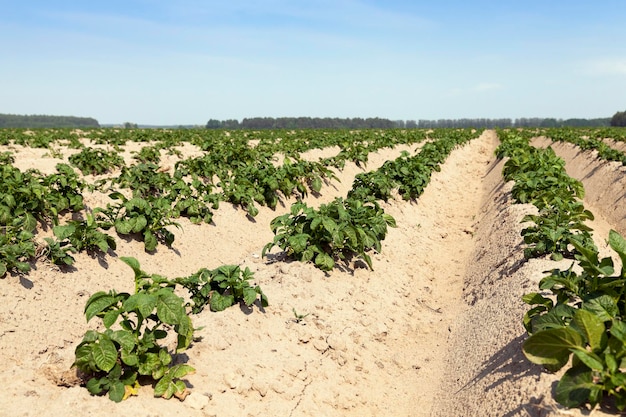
[[114, 359], [96, 161], [540, 179], [59, 253], [337, 230], [554, 228], [584, 318], [85, 234], [221, 288], [145, 217], [16, 248]]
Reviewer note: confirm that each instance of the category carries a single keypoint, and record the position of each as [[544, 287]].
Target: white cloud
[[612, 66], [480, 87]]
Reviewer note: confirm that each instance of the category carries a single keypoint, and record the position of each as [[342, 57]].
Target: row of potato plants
[[352, 226], [115, 359], [230, 170], [540, 179], [589, 140], [129, 348], [576, 317]]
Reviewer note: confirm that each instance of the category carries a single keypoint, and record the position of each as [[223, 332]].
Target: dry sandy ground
[[434, 330]]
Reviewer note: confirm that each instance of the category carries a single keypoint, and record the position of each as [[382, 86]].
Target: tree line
[[619, 119], [380, 123], [44, 121]]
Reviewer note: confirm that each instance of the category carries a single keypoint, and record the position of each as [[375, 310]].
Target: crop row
[[129, 348], [356, 224], [576, 318], [589, 142]]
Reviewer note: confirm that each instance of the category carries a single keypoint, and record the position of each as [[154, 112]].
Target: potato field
[[197, 272]]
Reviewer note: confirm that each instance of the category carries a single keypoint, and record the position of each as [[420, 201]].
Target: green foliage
[[16, 248], [540, 179], [96, 161], [221, 288], [148, 154], [583, 318], [59, 253], [337, 230], [554, 228], [147, 218], [409, 175], [84, 235], [114, 359], [6, 158]]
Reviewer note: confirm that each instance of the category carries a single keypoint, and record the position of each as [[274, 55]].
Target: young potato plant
[[115, 358], [59, 253], [581, 324], [84, 235], [96, 161], [147, 217], [16, 248], [337, 230], [221, 288], [553, 229]]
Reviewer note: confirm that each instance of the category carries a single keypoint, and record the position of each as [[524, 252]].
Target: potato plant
[[130, 347], [113, 360], [336, 231], [96, 161], [581, 324]]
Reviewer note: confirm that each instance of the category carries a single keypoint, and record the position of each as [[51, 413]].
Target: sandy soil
[[434, 330]]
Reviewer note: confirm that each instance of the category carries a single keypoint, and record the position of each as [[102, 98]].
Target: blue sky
[[187, 61]]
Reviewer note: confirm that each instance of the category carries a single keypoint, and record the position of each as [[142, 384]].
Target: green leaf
[[329, 224], [324, 261], [170, 307], [618, 244], [150, 241], [124, 338], [249, 295], [590, 359], [116, 391], [95, 385], [141, 302], [180, 370], [110, 317], [105, 354], [618, 330], [130, 358], [64, 232], [99, 302], [575, 387], [603, 307], [551, 347], [167, 387], [299, 242], [185, 332], [592, 328], [133, 263], [536, 298], [221, 302], [148, 363]]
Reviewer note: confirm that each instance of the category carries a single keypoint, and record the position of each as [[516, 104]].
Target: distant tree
[[550, 122], [43, 121], [619, 119], [213, 124], [129, 125]]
